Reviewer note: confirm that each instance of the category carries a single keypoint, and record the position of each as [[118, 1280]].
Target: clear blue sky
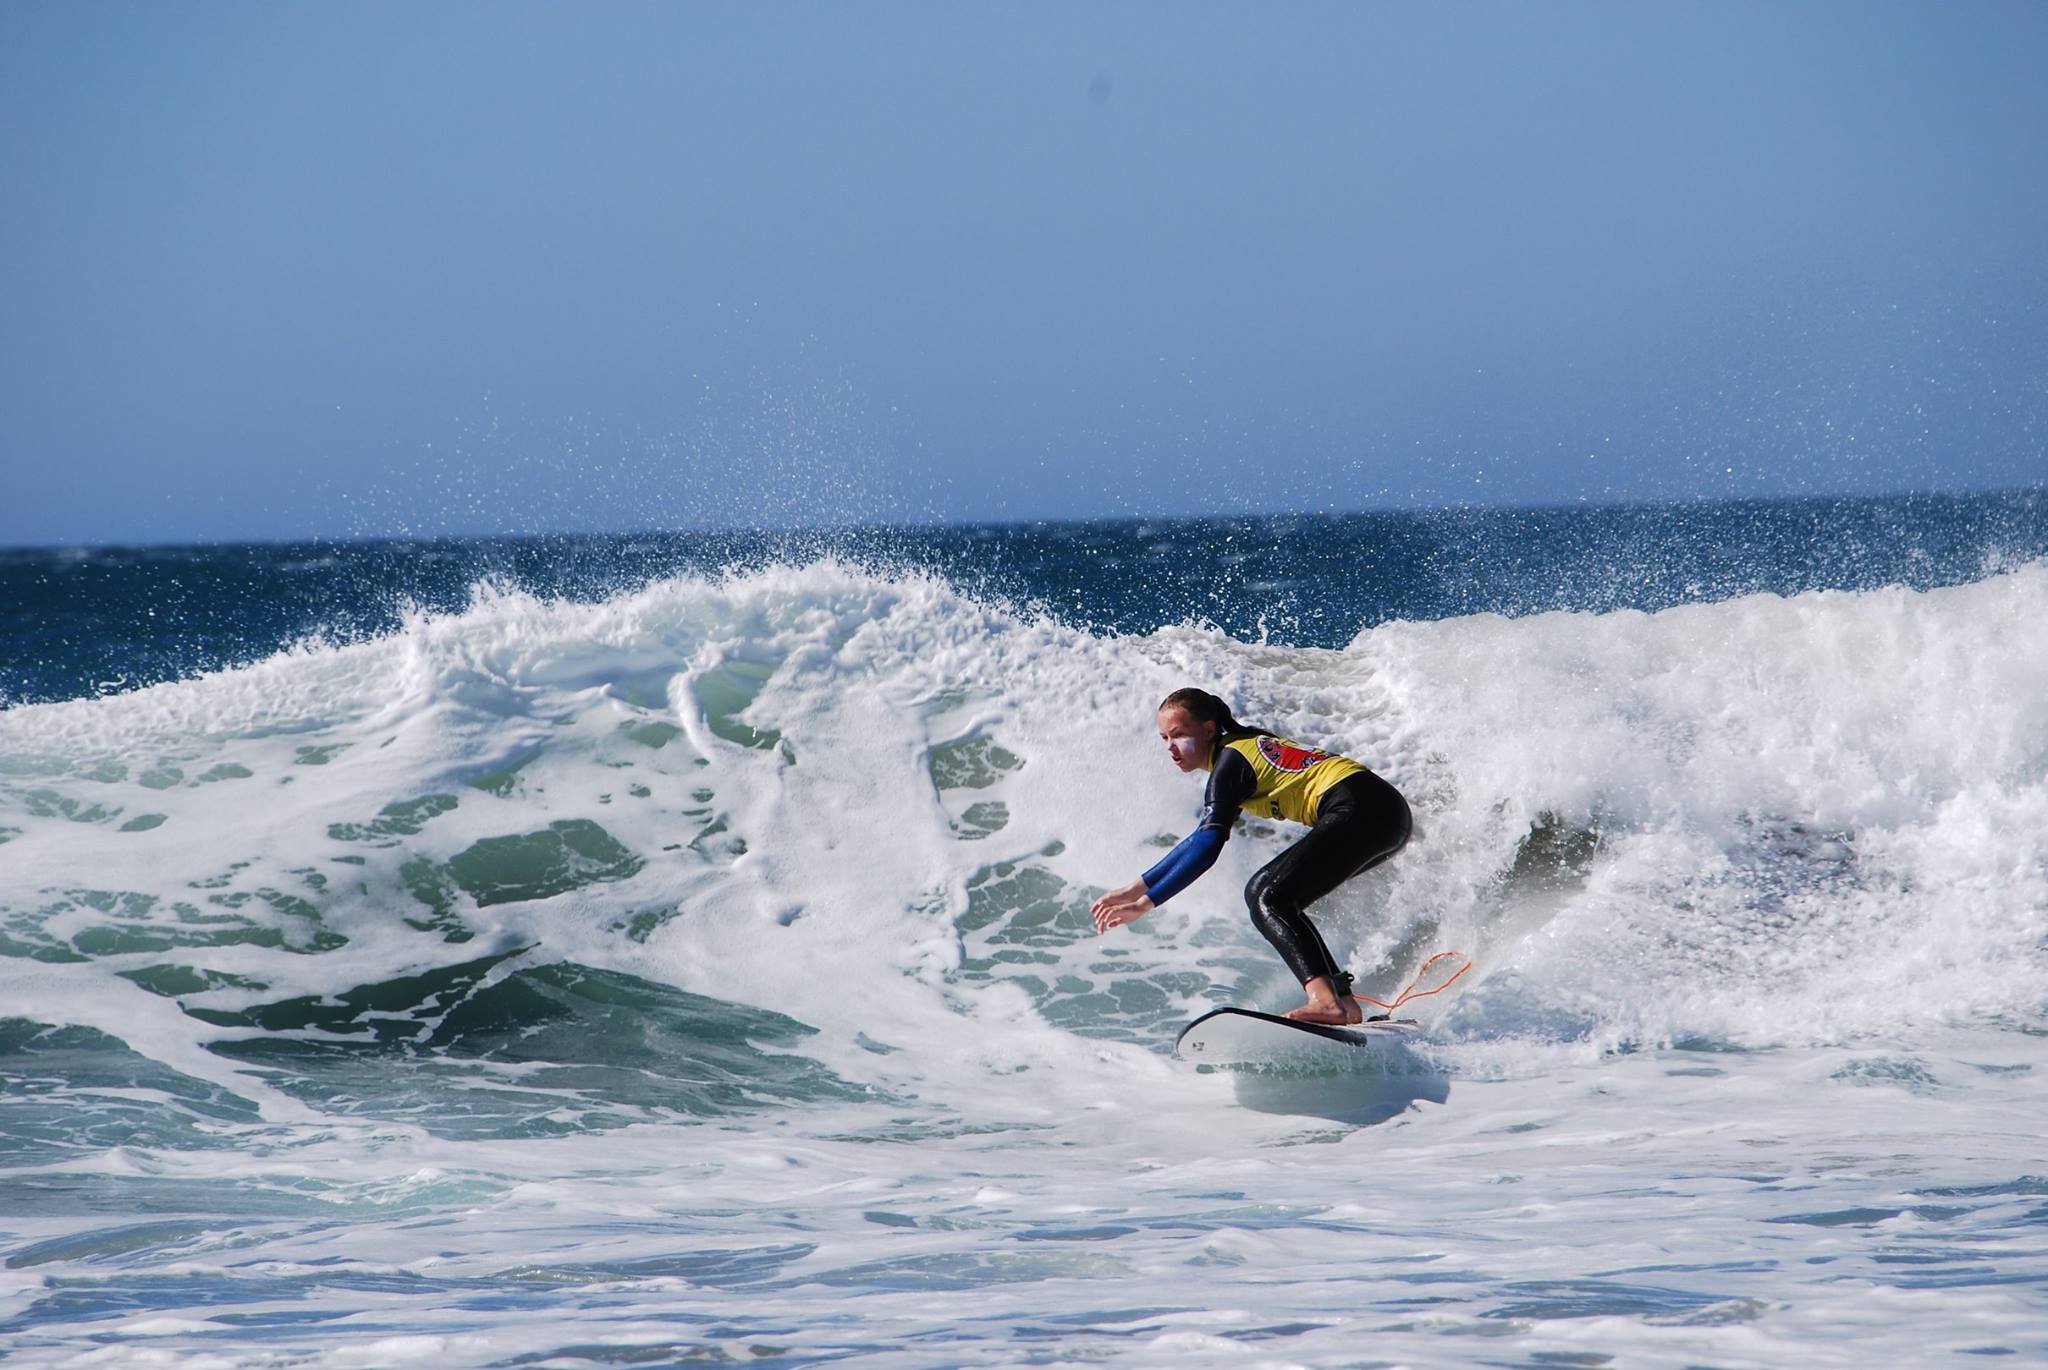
[[276, 270]]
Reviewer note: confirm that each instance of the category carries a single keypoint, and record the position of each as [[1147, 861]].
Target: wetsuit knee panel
[[1265, 893]]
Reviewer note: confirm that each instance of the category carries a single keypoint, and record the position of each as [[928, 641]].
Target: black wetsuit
[[1362, 821], [1358, 822]]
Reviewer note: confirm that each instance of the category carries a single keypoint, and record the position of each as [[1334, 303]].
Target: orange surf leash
[[1430, 968]]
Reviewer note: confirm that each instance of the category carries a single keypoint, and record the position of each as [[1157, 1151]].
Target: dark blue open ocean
[[82, 621]]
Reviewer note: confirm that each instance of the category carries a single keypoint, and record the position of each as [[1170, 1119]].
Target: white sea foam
[[1758, 892]]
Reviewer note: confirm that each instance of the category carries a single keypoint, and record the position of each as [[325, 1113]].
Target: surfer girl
[[1355, 819]]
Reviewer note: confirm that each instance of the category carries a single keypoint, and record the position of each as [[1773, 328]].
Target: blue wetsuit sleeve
[[1231, 782], [1181, 867]]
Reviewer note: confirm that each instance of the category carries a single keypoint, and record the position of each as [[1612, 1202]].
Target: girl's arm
[[1183, 865], [1174, 873], [1231, 782]]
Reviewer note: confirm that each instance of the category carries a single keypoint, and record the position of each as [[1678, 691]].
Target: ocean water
[[674, 950]]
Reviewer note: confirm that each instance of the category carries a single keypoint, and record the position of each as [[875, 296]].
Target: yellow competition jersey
[[1288, 779]]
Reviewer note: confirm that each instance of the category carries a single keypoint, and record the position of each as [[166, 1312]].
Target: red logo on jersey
[[1288, 757]]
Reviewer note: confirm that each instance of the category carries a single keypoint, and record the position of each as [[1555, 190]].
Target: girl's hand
[[1118, 907]]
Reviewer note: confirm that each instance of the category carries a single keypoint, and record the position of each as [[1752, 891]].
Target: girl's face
[[1188, 740]]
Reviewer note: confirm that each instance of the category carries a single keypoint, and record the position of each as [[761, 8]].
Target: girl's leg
[[1361, 823]]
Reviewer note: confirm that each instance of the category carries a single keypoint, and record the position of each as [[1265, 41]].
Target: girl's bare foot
[[1333, 1011]]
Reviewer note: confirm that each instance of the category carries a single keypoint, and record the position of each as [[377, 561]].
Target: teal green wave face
[[547, 1050], [74, 1092]]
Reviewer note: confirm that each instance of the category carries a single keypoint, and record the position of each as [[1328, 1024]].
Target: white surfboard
[[1246, 1037]]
